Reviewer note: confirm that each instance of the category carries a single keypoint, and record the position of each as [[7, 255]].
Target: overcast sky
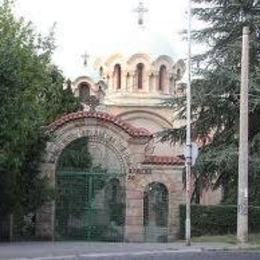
[[93, 25]]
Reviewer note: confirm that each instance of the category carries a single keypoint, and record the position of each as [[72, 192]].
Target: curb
[[141, 253]]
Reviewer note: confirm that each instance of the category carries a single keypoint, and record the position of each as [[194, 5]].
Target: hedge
[[217, 220]]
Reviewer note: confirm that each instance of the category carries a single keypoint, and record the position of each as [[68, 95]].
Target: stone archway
[[90, 193], [106, 134]]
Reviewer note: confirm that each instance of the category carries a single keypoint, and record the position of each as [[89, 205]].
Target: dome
[[145, 41], [141, 40]]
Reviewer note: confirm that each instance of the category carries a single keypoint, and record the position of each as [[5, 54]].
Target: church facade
[[134, 188]]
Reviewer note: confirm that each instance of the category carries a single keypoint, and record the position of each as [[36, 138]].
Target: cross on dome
[[141, 10], [85, 57]]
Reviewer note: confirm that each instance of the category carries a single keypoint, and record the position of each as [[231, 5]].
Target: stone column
[[176, 198], [167, 89], [127, 81], [156, 82], [132, 82], [134, 229], [124, 81], [151, 83], [109, 83]]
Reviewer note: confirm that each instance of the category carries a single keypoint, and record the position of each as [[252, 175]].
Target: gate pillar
[[45, 217], [45, 228], [134, 229]]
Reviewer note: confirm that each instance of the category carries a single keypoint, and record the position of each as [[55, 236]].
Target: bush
[[217, 220]]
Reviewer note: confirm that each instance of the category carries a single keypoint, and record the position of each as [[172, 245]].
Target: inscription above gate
[[140, 171]]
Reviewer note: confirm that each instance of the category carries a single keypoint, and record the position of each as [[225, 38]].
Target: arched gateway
[[102, 200]]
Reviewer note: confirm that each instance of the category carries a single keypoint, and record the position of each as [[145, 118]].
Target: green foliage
[[117, 213], [31, 96], [215, 94], [217, 220], [76, 156]]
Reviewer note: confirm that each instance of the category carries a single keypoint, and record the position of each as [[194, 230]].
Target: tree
[[31, 97], [215, 94]]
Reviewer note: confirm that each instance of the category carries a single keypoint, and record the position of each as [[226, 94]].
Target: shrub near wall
[[216, 220]]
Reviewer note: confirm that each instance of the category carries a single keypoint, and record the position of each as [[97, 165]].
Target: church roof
[[130, 129]]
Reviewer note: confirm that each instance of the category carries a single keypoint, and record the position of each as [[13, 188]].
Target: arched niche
[[156, 210]]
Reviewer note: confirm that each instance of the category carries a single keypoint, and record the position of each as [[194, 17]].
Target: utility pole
[[188, 137], [242, 207]]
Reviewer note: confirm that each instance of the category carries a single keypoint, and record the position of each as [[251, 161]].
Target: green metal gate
[[90, 206]]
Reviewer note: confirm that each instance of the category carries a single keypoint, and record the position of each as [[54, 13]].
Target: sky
[[92, 26]]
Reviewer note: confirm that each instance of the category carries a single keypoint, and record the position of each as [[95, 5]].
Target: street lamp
[[188, 155]]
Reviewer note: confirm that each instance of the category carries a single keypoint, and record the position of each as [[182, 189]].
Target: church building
[[134, 187]]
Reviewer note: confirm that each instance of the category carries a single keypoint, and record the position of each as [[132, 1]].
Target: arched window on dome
[[140, 75], [127, 81], [101, 71], [178, 74], [117, 76], [84, 91], [162, 77]]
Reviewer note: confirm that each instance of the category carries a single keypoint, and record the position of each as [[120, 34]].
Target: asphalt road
[[110, 251], [182, 256]]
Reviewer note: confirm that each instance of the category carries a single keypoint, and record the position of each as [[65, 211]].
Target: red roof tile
[[164, 160], [130, 129]]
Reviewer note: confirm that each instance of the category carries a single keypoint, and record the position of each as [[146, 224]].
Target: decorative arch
[[139, 57], [112, 131], [83, 79], [114, 59], [152, 116], [163, 60]]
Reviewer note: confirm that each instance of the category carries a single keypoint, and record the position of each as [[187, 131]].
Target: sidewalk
[[75, 250]]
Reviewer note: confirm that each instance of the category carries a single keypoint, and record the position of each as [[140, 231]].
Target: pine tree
[[215, 94]]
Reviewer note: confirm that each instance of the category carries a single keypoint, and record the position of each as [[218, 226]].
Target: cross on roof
[[85, 57], [93, 102], [141, 10]]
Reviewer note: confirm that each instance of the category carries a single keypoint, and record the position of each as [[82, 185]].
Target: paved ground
[[111, 251]]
